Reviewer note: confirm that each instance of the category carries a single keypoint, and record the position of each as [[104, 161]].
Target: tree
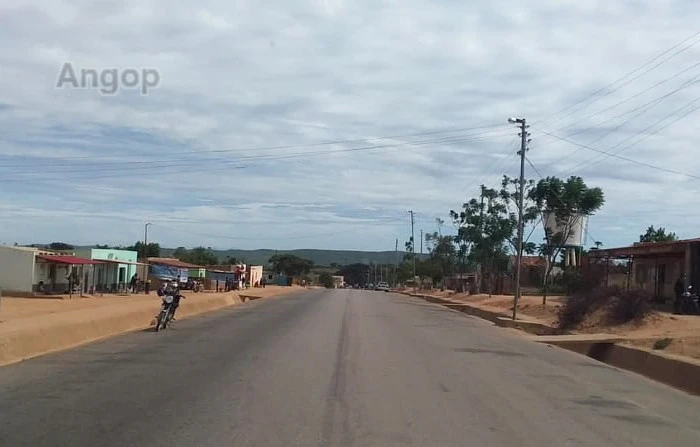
[[326, 280], [510, 194], [60, 246], [657, 235], [354, 273], [198, 255], [153, 249], [567, 201], [290, 265], [485, 228], [102, 246], [442, 254]]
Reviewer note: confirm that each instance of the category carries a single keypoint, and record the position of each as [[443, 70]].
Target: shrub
[[662, 343], [584, 303], [326, 280], [631, 305]]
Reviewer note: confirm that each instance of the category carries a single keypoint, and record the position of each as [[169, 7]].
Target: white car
[[383, 286]]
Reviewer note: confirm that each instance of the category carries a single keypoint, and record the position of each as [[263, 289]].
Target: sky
[[318, 124]]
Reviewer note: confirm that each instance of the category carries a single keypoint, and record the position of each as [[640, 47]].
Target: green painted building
[[115, 273]]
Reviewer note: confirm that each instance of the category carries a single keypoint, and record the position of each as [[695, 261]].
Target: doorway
[[660, 281]]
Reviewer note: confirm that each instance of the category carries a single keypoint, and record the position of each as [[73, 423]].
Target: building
[[168, 269], [652, 266], [26, 271], [115, 272], [255, 275]]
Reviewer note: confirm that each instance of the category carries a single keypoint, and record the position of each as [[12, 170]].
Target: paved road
[[335, 368]]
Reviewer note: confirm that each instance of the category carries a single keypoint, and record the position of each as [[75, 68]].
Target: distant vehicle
[[383, 286], [370, 286]]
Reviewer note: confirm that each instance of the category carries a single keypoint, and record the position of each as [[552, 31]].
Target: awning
[[116, 261], [71, 260]]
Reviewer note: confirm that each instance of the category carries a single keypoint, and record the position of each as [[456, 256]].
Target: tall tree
[[198, 255], [657, 235], [153, 249], [567, 201], [510, 194], [442, 252], [290, 265], [486, 227]]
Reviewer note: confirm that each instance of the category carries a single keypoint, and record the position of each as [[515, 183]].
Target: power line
[[643, 108], [290, 146], [644, 136], [159, 168], [599, 92], [609, 154]]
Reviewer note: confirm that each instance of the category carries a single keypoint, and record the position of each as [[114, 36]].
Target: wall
[[117, 255], [255, 273], [645, 271], [16, 269]]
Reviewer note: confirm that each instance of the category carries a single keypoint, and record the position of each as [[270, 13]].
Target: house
[[168, 269], [653, 266], [26, 271], [116, 270], [255, 274]]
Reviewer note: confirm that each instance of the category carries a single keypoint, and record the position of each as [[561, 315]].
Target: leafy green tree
[[197, 255], [290, 265], [485, 229], [567, 201], [657, 235], [354, 273], [442, 254], [153, 249], [60, 246], [326, 280], [510, 194]]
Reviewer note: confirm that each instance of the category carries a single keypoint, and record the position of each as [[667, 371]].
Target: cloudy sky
[[319, 123]]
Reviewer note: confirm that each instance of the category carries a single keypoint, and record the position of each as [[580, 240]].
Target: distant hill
[[319, 257]]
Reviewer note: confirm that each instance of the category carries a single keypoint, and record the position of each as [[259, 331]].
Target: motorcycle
[[689, 303], [167, 311]]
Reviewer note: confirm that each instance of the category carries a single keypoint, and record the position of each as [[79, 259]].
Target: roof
[[72, 260], [644, 249], [173, 262], [117, 261]]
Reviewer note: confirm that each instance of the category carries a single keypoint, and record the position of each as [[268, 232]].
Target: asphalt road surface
[[335, 368]]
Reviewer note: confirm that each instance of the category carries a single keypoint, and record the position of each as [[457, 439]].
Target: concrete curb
[[62, 332], [676, 372]]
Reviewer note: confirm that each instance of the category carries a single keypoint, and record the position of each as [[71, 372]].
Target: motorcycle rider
[[173, 289]]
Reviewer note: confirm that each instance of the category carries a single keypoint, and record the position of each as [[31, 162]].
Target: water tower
[[574, 229]]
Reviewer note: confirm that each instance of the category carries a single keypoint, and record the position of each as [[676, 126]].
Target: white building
[[28, 270]]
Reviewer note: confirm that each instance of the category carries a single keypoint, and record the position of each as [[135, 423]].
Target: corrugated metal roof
[[72, 260]]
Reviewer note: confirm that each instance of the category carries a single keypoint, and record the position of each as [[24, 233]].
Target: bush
[[581, 304], [326, 280], [632, 305]]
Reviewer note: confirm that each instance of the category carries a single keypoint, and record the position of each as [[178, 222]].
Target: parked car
[[383, 286]]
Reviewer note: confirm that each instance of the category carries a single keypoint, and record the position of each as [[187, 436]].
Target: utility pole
[[396, 261], [521, 197], [413, 250], [145, 242], [421, 242]]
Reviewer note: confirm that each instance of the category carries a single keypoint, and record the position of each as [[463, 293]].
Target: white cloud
[[236, 76]]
